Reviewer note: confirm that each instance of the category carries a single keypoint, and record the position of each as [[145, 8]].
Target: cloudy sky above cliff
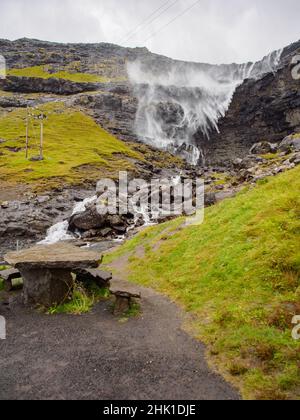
[[212, 31]]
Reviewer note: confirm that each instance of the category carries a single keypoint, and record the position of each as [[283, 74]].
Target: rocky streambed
[[71, 214], [25, 219]]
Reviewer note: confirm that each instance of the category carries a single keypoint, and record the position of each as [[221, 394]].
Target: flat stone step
[[11, 274], [8, 276], [125, 295], [101, 278], [124, 301]]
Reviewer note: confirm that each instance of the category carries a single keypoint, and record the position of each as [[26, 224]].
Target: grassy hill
[[43, 72], [238, 275], [76, 149]]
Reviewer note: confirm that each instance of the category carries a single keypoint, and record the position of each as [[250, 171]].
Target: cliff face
[[173, 105], [266, 109]]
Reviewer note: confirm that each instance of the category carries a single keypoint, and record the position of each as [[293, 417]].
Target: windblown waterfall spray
[[178, 99]]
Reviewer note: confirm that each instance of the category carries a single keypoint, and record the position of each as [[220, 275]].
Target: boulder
[[210, 199], [10, 274], [248, 162], [43, 199], [87, 220], [295, 159], [290, 143], [105, 232], [246, 174], [95, 224], [263, 147], [89, 234]]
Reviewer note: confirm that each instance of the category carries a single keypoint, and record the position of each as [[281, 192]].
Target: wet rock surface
[[266, 110], [39, 85], [24, 222], [290, 144]]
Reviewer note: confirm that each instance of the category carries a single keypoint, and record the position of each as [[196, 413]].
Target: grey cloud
[[213, 31]]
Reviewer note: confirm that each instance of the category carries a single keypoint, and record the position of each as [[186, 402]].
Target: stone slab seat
[[8, 276], [123, 301], [46, 271], [101, 278]]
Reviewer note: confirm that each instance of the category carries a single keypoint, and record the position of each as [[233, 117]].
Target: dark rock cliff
[[261, 110]]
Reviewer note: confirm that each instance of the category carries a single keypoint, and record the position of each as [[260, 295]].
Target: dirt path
[[95, 356]]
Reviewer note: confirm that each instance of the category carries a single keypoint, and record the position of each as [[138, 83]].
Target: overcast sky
[[214, 31]]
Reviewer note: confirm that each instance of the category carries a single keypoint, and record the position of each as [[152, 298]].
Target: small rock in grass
[[5, 205], [36, 159], [263, 147]]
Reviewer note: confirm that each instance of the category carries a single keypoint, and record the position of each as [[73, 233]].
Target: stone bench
[[99, 277], [8, 276], [47, 271], [124, 301]]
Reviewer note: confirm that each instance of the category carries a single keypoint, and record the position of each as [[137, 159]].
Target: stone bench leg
[[8, 285], [122, 305], [123, 301], [46, 287]]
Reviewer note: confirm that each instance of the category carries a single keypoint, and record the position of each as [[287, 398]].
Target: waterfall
[[176, 99], [59, 231]]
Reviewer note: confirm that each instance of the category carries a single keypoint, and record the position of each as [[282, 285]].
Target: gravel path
[[95, 356]]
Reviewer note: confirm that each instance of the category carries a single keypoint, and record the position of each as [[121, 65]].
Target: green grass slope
[[42, 72], [76, 149], [238, 274]]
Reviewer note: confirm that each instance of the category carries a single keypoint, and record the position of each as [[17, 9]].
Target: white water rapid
[[59, 231]]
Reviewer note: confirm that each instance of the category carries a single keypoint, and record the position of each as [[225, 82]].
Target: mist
[[178, 99], [213, 31]]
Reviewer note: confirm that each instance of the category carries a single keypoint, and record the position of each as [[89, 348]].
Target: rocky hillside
[[65, 70], [110, 83]]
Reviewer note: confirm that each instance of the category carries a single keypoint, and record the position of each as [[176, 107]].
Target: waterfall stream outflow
[[60, 231], [57, 233], [178, 99]]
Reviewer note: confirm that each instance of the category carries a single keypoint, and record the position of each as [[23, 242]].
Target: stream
[[60, 231]]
